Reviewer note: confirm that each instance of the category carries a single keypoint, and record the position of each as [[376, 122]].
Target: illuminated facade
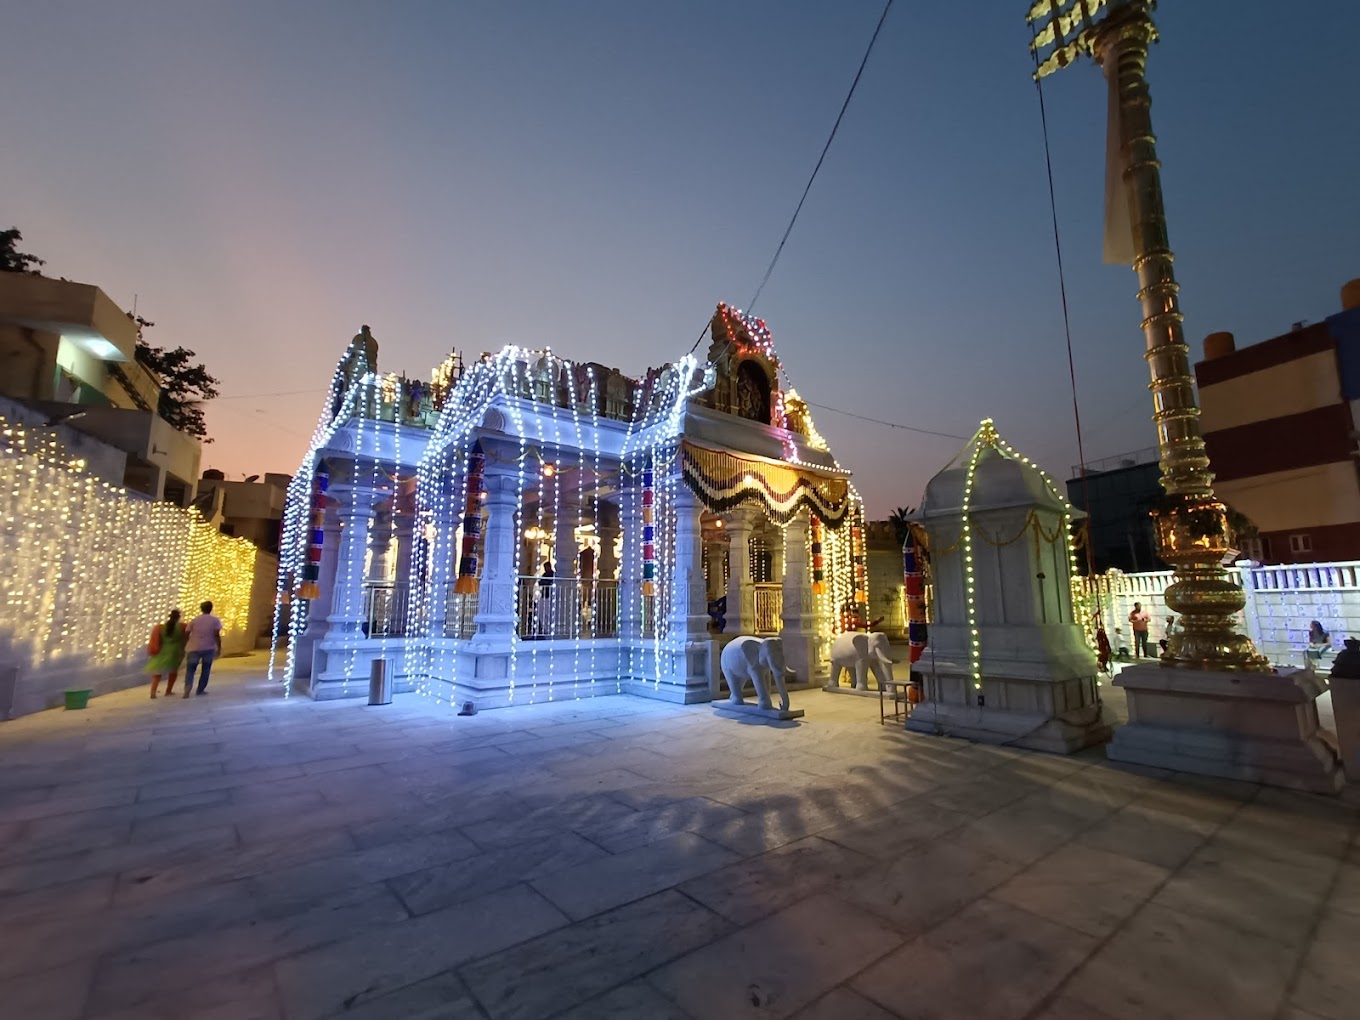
[[529, 528]]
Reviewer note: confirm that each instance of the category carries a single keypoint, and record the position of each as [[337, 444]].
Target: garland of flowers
[[311, 570], [467, 583]]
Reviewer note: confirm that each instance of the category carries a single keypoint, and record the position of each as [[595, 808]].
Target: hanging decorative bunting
[[914, 591], [648, 531], [472, 523], [311, 570], [724, 481], [857, 558], [818, 561]]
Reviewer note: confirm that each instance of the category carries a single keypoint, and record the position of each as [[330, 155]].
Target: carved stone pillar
[[355, 510], [689, 599], [444, 554], [607, 527], [566, 552], [496, 593], [379, 546], [798, 615], [739, 589]]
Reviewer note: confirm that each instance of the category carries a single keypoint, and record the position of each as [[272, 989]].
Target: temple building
[[529, 528]]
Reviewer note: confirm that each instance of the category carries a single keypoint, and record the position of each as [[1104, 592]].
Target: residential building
[[69, 352], [250, 509], [1118, 495], [1279, 419]]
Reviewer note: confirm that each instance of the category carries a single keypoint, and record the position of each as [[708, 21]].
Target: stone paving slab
[[253, 857]]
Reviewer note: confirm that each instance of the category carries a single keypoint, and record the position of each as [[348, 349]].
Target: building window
[[1300, 544]]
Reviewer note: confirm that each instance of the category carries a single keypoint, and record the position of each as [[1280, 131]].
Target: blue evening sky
[[596, 176]]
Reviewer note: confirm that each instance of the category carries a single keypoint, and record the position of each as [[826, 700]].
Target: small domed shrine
[[1008, 661]]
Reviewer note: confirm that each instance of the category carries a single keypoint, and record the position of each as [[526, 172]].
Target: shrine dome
[[1002, 479]]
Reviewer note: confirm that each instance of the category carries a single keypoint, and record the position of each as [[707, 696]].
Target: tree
[[185, 383], [899, 520], [14, 261]]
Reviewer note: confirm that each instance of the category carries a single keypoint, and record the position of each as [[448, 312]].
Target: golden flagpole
[[1192, 528]]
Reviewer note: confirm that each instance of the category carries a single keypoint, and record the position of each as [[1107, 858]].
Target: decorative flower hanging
[[648, 531], [472, 523], [311, 570], [818, 561], [913, 590]]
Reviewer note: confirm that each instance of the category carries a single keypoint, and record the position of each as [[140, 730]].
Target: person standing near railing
[[545, 587]]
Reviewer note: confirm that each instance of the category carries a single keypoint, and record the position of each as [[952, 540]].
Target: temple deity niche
[[527, 527]]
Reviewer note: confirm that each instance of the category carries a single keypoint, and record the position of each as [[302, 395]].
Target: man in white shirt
[[203, 645]]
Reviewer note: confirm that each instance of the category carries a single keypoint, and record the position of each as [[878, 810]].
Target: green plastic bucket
[[77, 699]]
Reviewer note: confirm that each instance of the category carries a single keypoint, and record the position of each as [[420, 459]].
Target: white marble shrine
[[530, 528]]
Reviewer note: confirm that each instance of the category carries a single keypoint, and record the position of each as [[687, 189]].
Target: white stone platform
[[244, 855], [1260, 727]]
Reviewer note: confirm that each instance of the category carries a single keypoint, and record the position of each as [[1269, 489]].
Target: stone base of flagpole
[[1259, 727]]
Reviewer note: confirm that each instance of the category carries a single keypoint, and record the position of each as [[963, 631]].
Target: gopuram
[[527, 527]]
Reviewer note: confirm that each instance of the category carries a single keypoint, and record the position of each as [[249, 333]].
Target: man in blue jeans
[[203, 645]]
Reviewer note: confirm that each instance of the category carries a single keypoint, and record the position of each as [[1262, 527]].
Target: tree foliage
[[900, 522], [12, 260], [185, 383]]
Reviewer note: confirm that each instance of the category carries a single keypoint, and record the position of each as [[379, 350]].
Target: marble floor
[[248, 857]]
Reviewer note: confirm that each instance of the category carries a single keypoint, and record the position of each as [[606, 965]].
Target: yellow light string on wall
[[86, 568]]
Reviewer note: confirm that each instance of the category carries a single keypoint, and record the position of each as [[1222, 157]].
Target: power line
[[286, 393], [889, 424], [825, 149]]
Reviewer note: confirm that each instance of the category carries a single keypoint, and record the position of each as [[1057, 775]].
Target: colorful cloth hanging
[[724, 481], [311, 570], [818, 561], [467, 583], [648, 531], [914, 590]]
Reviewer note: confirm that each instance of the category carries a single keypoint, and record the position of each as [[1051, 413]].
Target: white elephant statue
[[861, 653], [755, 659]]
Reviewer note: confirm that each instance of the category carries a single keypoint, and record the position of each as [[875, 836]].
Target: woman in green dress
[[167, 652]]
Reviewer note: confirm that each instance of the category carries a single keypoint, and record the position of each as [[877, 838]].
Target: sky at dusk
[[596, 176]]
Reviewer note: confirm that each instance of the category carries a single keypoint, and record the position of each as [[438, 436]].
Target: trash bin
[[77, 699], [379, 684], [1345, 684]]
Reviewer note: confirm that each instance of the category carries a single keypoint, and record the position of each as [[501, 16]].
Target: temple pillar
[[317, 607], [355, 511], [739, 604], [379, 546], [798, 615], [496, 610], [448, 517], [689, 597], [607, 527]]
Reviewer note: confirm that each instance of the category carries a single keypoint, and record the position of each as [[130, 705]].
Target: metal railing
[[767, 608], [567, 608], [385, 608]]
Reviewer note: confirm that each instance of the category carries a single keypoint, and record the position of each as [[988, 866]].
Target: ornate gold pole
[[1192, 531]]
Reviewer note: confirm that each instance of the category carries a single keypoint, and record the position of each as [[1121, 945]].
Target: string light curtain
[[86, 569]]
